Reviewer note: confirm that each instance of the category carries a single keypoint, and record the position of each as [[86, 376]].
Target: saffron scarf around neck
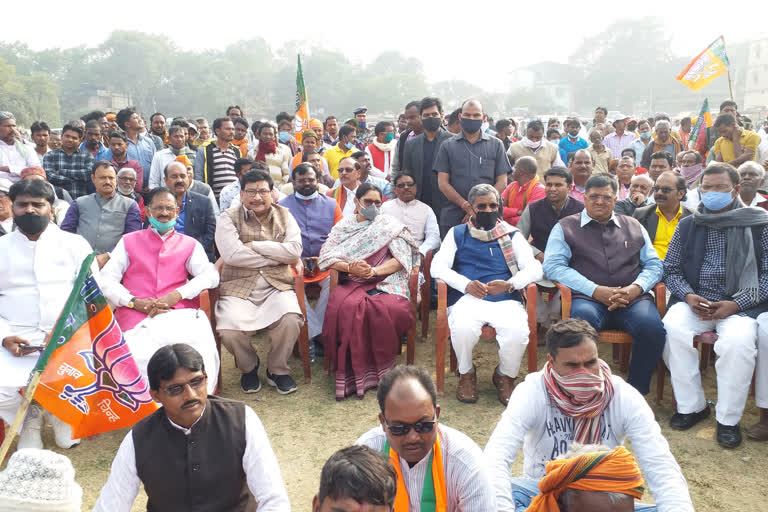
[[527, 197], [434, 493]]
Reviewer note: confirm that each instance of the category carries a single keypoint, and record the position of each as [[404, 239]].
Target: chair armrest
[[529, 293], [566, 299], [427, 265], [660, 292], [442, 294], [334, 279], [413, 283]]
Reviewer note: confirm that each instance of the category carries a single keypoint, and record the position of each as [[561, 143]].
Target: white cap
[[41, 481]]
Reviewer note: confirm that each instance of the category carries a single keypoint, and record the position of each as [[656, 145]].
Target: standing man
[[661, 219], [258, 242], [215, 161], [365, 134], [421, 152], [609, 263], [40, 135], [118, 146], [572, 142], [70, 167], [331, 128], [92, 143], [504, 132], [685, 131], [580, 165], [735, 145], [382, 148], [717, 271], [177, 146], [157, 128], [140, 147], [14, 154], [413, 128], [534, 145], [102, 218], [203, 131], [195, 217], [196, 451], [524, 189], [241, 134], [471, 158], [126, 185], [343, 148], [420, 447], [663, 141], [601, 155], [620, 139]]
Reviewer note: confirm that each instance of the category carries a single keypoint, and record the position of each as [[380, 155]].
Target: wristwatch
[[132, 303]]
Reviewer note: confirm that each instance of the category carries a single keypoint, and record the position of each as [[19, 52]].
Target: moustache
[[190, 403], [180, 184]]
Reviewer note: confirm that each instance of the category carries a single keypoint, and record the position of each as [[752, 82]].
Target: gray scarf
[[742, 268]]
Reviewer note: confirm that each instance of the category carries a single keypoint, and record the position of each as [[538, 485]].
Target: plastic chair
[[488, 333]]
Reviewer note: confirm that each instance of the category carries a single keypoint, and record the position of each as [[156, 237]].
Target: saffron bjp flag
[[301, 120], [89, 377], [698, 137], [706, 66]]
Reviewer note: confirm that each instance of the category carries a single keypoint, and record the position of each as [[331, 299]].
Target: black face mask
[[486, 220], [32, 224], [431, 124]]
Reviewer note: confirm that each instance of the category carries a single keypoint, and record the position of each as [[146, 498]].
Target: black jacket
[[200, 221], [412, 162], [650, 221]]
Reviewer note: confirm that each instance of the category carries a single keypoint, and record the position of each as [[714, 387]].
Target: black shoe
[[680, 421], [728, 436], [284, 383], [249, 382], [316, 346]]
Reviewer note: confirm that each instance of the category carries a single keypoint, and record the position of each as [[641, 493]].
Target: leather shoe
[[504, 386], [728, 436], [466, 391], [680, 421], [758, 431]]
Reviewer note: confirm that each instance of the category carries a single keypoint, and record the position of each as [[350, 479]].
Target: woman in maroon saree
[[368, 314]]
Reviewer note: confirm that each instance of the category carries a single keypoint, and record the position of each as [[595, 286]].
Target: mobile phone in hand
[[33, 347]]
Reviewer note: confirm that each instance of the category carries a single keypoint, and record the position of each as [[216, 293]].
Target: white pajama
[[736, 348], [548, 311], [466, 319], [315, 315], [761, 368]]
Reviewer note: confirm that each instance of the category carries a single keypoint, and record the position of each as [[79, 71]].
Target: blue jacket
[[200, 221]]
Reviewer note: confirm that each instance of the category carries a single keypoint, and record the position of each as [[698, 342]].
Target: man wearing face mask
[[153, 280], [316, 215], [344, 148], [471, 158], [571, 142], [576, 398], [717, 271], [485, 262], [364, 133], [534, 145], [40, 264], [642, 141], [284, 122], [382, 148], [662, 141]]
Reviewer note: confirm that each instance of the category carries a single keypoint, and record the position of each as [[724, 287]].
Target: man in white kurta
[[40, 264], [417, 216]]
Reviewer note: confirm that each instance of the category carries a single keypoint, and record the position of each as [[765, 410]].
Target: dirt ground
[[305, 428]]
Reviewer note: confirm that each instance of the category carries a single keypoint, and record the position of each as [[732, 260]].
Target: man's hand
[[158, 309], [477, 289], [698, 304], [170, 300], [497, 287], [5, 168], [721, 309], [102, 259], [15, 345], [144, 305], [540, 257], [638, 198], [603, 294], [624, 296]]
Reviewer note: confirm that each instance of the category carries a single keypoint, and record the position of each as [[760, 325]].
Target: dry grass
[[307, 427]]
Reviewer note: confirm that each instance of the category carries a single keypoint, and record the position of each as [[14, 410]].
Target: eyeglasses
[[663, 190], [405, 185], [597, 198], [344, 170], [253, 193], [420, 427], [163, 209], [177, 389], [369, 202]]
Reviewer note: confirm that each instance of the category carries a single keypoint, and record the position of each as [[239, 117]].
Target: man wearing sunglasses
[[438, 468], [417, 216], [196, 451], [349, 179], [660, 220]]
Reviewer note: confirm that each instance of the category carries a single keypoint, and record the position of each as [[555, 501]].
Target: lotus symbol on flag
[[115, 370]]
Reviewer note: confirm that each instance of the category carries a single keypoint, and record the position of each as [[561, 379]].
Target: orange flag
[[301, 120]]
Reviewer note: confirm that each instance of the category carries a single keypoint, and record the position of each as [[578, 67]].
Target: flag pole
[[728, 70], [29, 394]]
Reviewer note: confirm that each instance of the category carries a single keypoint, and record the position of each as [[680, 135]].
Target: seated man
[[316, 215], [717, 272], [536, 224], [545, 418], [356, 479], [369, 174], [258, 242], [591, 478], [418, 447], [417, 216], [195, 216], [660, 220], [63, 199], [523, 190], [640, 188], [146, 281], [349, 180], [103, 217], [6, 209], [196, 451], [609, 263], [581, 165], [752, 175], [40, 264], [486, 262]]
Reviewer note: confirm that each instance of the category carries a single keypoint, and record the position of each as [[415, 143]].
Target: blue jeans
[[641, 321], [525, 489]]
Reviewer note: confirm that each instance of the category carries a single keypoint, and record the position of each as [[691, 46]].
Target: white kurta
[[260, 466], [190, 326]]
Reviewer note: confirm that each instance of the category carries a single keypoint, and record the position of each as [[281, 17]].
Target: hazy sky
[[480, 41]]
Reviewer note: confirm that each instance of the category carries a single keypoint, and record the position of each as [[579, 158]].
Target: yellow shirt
[[748, 139], [664, 232], [333, 156]]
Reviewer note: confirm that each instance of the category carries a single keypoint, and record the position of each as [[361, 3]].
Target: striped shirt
[[466, 478], [223, 169], [617, 143]]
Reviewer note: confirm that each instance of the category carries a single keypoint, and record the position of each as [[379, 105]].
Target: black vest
[[544, 218], [202, 471]]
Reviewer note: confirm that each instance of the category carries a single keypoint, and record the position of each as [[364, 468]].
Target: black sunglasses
[[421, 427]]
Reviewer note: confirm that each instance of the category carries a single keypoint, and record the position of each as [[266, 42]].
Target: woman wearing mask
[[285, 132], [367, 314], [642, 141]]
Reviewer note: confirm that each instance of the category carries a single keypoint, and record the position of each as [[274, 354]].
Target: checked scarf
[[502, 232], [583, 396]]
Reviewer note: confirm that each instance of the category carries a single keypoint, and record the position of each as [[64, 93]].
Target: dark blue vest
[[479, 261], [315, 219]]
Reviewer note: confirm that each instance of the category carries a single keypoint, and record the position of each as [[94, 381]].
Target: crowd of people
[[622, 212]]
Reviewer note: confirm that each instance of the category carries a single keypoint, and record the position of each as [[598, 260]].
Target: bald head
[[173, 165], [471, 104], [525, 168]]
